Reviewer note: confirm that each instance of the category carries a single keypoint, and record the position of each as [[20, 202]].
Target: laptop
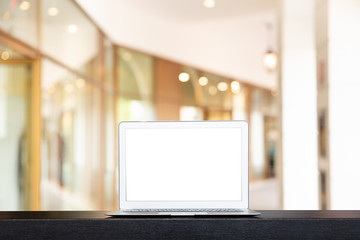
[[183, 168]]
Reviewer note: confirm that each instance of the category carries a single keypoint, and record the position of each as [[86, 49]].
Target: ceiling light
[[25, 5], [209, 3], [222, 86], [235, 86], [184, 77], [212, 90], [72, 28], [203, 81], [80, 82], [270, 60], [5, 55], [6, 16], [53, 11]]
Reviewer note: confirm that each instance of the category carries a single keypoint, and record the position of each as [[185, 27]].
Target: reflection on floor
[[265, 195]]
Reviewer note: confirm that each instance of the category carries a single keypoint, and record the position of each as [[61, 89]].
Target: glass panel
[[69, 36], [18, 18], [257, 143], [70, 107], [239, 104], [14, 129], [130, 109], [111, 160], [191, 89], [189, 113], [264, 133], [215, 96], [264, 101], [218, 115], [109, 63], [203, 90], [136, 75], [271, 138], [136, 83]]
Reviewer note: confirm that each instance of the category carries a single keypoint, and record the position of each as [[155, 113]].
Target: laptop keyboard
[[187, 210]]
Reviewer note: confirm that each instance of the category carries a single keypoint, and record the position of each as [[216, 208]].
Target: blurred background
[[70, 70]]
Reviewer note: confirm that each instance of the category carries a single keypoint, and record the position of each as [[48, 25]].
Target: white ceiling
[[193, 10], [228, 39]]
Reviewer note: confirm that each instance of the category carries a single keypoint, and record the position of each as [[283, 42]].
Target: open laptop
[[183, 168]]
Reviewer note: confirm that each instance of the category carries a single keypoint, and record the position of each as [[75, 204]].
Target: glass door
[[15, 98]]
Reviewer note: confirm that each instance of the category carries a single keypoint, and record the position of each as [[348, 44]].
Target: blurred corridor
[[70, 71]]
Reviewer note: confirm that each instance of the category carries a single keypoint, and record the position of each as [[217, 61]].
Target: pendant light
[[270, 58]]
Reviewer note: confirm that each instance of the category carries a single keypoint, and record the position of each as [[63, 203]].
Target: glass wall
[[264, 133], [207, 96], [109, 63], [209, 93], [15, 84], [135, 82], [110, 174], [66, 112], [239, 98], [19, 18], [69, 36], [77, 105]]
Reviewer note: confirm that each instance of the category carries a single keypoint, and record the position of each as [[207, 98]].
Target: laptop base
[[121, 213]]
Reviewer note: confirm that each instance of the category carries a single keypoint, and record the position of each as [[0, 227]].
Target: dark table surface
[[265, 215], [96, 225]]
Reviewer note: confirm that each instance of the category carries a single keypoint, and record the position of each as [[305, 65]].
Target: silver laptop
[[183, 168]]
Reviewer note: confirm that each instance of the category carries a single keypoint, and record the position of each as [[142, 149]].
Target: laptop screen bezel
[[243, 203]]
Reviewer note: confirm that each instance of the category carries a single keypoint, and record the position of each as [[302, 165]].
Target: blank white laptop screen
[[187, 164]]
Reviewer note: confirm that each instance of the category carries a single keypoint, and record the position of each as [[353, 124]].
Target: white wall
[[344, 99], [231, 46], [299, 130]]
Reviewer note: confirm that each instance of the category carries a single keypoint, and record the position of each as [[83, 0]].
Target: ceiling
[[193, 10], [228, 40]]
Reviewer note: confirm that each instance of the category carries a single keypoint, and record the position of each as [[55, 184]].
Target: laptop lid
[[183, 164]]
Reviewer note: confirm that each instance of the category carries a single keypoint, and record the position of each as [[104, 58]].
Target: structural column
[[338, 43], [298, 104]]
